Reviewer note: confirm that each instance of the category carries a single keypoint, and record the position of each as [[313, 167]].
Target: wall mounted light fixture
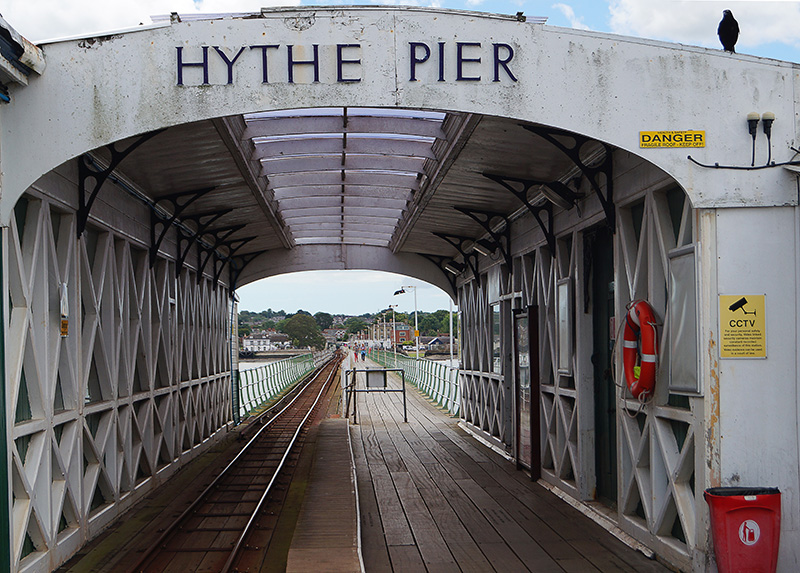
[[767, 119], [752, 126], [559, 194], [766, 123]]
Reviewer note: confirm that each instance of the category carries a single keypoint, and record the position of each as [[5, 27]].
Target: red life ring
[[640, 332]]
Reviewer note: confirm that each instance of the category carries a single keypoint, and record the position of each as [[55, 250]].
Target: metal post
[[451, 332], [405, 411], [5, 458], [416, 324]]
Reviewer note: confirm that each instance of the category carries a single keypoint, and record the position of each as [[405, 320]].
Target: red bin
[[746, 528]]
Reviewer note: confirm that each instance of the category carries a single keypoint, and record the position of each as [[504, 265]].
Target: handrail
[[259, 385], [438, 381]]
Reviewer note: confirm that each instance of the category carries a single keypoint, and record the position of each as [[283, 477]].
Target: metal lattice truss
[[656, 451], [561, 462], [136, 388], [484, 399], [658, 447]]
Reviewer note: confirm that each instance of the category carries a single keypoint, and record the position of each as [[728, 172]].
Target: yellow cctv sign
[[672, 139], [742, 326]]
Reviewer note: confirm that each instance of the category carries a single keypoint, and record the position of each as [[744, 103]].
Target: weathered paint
[[712, 421], [123, 84]]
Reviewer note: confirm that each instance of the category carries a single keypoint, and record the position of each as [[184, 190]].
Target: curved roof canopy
[[400, 179], [433, 160]]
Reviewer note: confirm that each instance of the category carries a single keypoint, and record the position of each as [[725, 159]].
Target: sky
[[769, 29]]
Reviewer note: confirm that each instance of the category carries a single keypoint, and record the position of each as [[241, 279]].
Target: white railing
[[258, 385], [438, 381]]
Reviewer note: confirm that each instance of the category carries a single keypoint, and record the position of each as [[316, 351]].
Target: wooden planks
[[325, 538], [434, 499]]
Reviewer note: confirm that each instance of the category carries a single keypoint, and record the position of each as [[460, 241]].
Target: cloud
[[695, 22], [569, 14], [52, 19]]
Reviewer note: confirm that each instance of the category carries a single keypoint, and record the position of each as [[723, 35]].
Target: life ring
[[640, 332]]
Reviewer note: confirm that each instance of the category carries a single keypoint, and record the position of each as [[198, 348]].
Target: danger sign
[[742, 326], [672, 139]]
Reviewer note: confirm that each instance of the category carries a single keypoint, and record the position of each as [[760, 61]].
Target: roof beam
[[333, 124], [336, 191], [312, 146], [410, 182], [332, 161], [458, 138], [230, 130]]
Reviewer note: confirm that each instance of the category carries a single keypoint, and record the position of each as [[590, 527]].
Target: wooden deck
[[432, 498]]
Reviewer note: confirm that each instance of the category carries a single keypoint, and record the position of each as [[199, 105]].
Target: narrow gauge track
[[210, 534]]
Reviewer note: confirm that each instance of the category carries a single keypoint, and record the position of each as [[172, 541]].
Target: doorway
[[526, 383], [599, 248]]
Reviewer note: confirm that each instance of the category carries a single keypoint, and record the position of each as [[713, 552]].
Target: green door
[[599, 248]]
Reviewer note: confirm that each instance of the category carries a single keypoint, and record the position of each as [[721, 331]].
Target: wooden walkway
[[432, 498]]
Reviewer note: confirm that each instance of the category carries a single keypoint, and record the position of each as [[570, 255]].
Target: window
[[564, 324], [683, 378], [497, 363]]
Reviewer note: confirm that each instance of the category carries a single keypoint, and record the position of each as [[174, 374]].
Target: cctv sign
[[742, 326]]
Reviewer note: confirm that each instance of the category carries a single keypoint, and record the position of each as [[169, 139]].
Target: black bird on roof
[[728, 31]]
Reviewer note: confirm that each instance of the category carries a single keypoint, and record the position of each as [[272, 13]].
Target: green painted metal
[[258, 385]]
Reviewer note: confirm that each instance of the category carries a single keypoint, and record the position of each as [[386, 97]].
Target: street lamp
[[416, 325], [394, 335]]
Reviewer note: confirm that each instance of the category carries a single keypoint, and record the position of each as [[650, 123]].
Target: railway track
[[213, 532]]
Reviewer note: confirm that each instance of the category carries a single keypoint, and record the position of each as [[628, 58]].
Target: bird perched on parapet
[[728, 31]]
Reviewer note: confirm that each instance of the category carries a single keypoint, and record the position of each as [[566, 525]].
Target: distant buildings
[[266, 340], [333, 334]]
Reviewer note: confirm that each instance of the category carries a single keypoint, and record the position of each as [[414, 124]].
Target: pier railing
[[438, 381], [259, 385]]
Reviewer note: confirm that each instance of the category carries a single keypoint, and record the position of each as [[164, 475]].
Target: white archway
[[607, 87]]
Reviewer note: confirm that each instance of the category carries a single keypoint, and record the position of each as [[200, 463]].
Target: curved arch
[[344, 257], [125, 84]]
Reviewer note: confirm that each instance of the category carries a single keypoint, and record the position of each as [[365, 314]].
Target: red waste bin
[[746, 527]]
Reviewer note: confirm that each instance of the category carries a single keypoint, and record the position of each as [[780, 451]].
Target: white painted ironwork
[[483, 398], [657, 457], [561, 458], [258, 385], [439, 381], [139, 385], [660, 477]]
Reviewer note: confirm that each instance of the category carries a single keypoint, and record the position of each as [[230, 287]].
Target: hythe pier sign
[[441, 61]]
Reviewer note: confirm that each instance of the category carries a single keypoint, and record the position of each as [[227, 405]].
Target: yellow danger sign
[[742, 326], [672, 139]]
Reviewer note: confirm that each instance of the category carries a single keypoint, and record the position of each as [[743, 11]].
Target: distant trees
[[430, 323], [354, 325], [324, 320], [303, 330]]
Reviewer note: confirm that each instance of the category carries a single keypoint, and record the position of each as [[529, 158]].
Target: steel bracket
[[502, 239], [89, 169], [440, 262], [232, 246], [202, 222], [535, 210], [591, 172], [237, 264], [161, 223], [470, 258], [205, 252]]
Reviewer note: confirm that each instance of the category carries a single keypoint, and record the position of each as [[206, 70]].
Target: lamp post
[[416, 324], [394, 335]]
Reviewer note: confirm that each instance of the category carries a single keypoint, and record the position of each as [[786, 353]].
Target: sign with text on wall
[[742, 326], [670, 139]]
